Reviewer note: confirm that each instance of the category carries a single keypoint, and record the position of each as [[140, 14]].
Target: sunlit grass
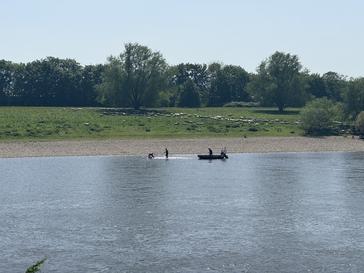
[[32, 123]]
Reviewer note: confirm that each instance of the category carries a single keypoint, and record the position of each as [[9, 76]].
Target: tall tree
[[279, 81], [50, 82], [228, 83], [335, 85], [354, 97], [6, 81], [197, 73], [144, 72], [189, 95], [316, 85], [91, 77], [135, 78], [169, 96], [110, 90]]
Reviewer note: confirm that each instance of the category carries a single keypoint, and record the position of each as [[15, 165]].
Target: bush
[[36, 267], [359, 123], [318, 116]]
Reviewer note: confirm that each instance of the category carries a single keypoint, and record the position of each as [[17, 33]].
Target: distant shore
[[178, 146]]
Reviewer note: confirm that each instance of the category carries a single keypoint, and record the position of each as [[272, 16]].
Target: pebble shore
[[179, 146]]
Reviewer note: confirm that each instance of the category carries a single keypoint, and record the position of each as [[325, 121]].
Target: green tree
[[228, 83], [91, 77], [319, 116], [169, 96], [316, 85], [143, 72], [134, 79], [335, 85], [359, 123], [189, 95], [197, 73], [354, 97], [50, 82], [279, 81], [110, 90], [6, 79]]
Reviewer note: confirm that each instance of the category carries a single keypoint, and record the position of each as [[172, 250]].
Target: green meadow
[[57, 123]]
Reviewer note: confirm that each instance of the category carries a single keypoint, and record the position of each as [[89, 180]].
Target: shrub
[[318, 116], [359, 123], [35, 267]]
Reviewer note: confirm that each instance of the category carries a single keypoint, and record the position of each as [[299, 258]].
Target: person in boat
[[166, 153], [223, 152], [210, 152], [150, 155]]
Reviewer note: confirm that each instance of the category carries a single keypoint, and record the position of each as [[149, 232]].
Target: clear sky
[[326, 35]]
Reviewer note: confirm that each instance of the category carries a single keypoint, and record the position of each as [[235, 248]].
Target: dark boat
[[210, 157]]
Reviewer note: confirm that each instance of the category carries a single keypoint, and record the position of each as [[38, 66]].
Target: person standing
[[210, 152], [166, 153]]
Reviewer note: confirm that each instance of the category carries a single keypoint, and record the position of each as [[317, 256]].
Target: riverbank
[[66, 124], [179, 146]]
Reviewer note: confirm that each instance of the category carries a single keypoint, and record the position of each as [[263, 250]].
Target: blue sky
[[326, 35]]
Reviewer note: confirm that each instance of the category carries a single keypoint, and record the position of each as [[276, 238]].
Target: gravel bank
[[179, 146]]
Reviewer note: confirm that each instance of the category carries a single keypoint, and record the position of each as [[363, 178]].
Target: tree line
[[49, 82], [140, 77]]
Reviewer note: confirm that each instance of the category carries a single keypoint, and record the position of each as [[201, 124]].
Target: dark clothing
[[210, 151], [167, 153]]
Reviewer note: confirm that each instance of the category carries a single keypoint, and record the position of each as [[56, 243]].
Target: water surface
[[295, 212]]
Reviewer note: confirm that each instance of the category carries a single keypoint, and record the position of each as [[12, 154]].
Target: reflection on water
[[251, 213]]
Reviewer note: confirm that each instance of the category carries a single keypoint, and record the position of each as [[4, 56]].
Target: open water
[[289, 212]]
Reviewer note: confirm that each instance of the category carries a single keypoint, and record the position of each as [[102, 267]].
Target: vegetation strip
[[22, 123]]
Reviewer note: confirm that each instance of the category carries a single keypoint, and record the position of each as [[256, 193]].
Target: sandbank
[[178, 146]]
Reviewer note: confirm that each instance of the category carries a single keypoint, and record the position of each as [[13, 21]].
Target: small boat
[[211, 157]]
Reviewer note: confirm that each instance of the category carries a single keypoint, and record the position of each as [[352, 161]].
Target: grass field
[[42, 123]]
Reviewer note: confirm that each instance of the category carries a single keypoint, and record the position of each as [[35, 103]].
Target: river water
[[289, 212]]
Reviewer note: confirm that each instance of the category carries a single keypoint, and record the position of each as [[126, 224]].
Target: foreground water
[[252, 213]]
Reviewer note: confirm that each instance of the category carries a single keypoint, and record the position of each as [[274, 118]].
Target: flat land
[[179, 146], [42, 131], [56, 123]]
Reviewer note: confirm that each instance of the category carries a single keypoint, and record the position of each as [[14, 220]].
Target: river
[[282, 212]]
